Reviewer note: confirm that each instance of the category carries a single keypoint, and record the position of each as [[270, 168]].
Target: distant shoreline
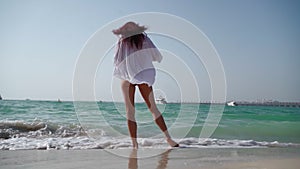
[[237, 103]]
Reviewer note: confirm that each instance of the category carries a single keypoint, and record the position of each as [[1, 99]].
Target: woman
[[133, 65]]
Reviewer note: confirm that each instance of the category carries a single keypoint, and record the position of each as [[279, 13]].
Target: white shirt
[[131, 62]]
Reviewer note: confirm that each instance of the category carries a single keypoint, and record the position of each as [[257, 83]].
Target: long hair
[[135, 40]]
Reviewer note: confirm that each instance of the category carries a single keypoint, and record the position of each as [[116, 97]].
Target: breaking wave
[[18, 135]]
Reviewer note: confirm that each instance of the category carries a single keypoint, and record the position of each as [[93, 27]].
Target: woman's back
[[135, 55]]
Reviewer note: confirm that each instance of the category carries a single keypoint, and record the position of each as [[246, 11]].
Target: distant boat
[[161, 100], [232, 103], [0, 97]]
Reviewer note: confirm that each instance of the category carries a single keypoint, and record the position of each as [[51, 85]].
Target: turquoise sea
[[26, 124]]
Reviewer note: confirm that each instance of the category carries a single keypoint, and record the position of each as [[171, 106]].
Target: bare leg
[[128, 90], [147, 94]]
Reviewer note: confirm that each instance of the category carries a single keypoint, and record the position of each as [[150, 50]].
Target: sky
[[257, 42]]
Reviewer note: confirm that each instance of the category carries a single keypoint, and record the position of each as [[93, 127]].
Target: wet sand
[[183, 158]]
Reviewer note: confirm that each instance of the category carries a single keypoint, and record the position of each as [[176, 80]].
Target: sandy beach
[[223, 158]]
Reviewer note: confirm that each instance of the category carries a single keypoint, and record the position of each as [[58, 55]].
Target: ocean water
[[26, 124]]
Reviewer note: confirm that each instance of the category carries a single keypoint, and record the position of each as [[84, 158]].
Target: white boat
[[232, 103], [161, 100]]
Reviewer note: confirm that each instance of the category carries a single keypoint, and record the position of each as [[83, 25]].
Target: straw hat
[[129, 29]]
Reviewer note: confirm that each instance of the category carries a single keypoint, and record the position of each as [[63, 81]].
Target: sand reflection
[[162, 163]]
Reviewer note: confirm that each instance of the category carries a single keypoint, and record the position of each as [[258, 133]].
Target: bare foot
[[135, 145], [172, 143]]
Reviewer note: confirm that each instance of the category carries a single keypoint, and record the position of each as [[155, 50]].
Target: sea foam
[[84, 142], [18, 135]]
